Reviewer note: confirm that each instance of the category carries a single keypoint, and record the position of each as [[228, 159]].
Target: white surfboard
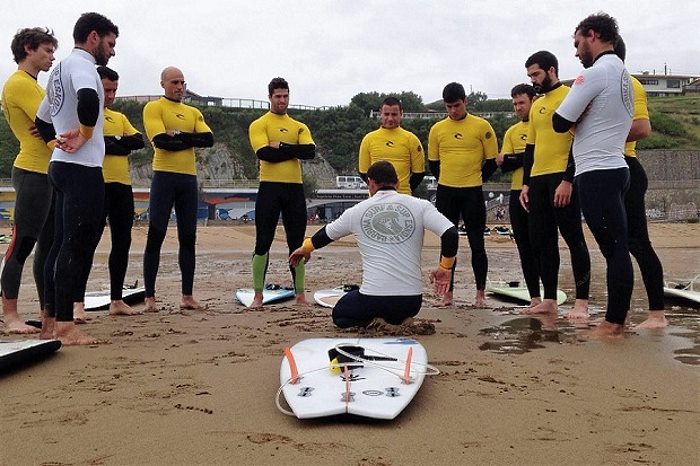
[[271, 294], [683, 290], [517, 291], [378, 380], [329, 297], [100, 300], [16, 352]]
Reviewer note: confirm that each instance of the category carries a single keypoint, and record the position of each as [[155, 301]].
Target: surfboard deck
[[271, 294], [17, 352], [517, 291], [100, 300], [371, 389], [682, 290], [329, 297]]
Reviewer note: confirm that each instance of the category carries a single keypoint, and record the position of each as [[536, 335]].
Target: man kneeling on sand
[[389, 229]]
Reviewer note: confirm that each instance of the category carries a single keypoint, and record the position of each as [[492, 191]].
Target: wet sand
[[184, 387]]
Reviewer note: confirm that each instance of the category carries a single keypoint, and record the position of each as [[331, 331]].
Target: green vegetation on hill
[[675, 123]]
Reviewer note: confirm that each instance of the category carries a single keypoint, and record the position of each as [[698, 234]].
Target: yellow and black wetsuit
[[120, 139], [398, 146], [33, 219], [513, 149], [459, 152], [638, 233], [174, 129], [543, 173], [281, 190]]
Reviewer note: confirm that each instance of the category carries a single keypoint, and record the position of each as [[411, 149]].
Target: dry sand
[[198, 387]]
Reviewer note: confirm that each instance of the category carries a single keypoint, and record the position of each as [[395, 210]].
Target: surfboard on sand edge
[[271, 294], [100, 300], [329, 297], [367, 390], [17, 352], [517, 290], [683, 290]]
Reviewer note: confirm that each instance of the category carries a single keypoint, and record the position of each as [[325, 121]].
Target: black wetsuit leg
[[119, 200], [33, 206], [601, 193], [447, 203], [79, 213], [355, 309], [639, 242], [268, 206], [544, 237], [473, 211], [161, 201], [571, 229], [186, 203], [294, 217], [520, 225]]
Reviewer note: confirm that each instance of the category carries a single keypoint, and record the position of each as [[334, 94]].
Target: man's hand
[[70, 141], [525, 198], [274, 144], [34, 132], [440, 278], [499, 159], [562, 195], [297, 256]]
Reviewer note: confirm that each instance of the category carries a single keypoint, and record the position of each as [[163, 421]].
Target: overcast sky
[[330, 50]]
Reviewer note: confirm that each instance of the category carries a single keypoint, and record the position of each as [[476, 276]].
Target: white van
[[349, 182], [431, 182]]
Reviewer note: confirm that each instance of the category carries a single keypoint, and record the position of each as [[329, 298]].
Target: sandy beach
[[197, 388]]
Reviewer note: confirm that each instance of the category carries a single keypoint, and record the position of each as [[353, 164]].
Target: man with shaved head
[[174, 129]]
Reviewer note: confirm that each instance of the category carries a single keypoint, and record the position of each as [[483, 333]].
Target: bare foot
[[48, 325], [150, 304], [378, 324], [300, 300], [69, 334], [447, 299], [580, 311], [655, 319], [79, 314], [190, 304], [13, 322], [607, 330], [547, 306], [120, 308], [257, 300], [535, 301], [15, 325], [480, 300]]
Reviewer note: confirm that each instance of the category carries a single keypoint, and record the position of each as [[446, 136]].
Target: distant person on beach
[[120, 139], [600, 107], [174, 129], [33, 50], [547, 192], [389, 228], [393, 143], [280, 142], [462, 152], [72, 113], [637, 231], [510, 159]]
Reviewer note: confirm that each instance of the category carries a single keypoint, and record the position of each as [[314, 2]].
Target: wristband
[[447, 262], [307, 246], [86, 131]]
